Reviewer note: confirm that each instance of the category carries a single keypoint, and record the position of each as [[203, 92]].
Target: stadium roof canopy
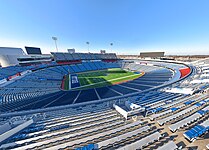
[[9, 55], [11, 51]]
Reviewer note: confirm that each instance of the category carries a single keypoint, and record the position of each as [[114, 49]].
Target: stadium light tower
[[111, 44], [55, 41], [88, 46]]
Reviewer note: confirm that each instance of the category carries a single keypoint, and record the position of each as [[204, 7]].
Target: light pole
[[55, 41], [111, 44], [88, 46]]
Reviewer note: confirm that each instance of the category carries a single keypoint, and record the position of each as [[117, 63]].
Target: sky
[[178, 27]]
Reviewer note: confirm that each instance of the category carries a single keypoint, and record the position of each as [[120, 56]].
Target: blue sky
[[173, 26]]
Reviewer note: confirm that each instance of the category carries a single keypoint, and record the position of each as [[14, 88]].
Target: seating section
[[98, 127], [180, 113], [197, 131], [168, 146], [121, 137], [43, 82], [12, 70], [190, 119], [150, 139], [96, 124], [68, 129], [83, 56], [41, 87]]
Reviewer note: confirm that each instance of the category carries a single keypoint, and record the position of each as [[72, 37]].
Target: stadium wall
[[184, 71], [69, 62]]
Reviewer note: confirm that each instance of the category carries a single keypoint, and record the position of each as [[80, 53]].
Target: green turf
[[101, 78], [105, 77]]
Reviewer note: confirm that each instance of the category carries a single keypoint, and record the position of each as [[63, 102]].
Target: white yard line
[[115, 91], [129, 87], [76, 97], [97, 94], [140, 84], [54, 100]]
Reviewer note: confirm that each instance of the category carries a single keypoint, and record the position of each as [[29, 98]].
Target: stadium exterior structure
[[111, 100], [104, 122], [176, 77], [10, 56]]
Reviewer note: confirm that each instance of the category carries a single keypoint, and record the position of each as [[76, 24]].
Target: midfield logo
[[74, 81]]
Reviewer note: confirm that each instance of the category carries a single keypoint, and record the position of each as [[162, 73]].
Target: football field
[[102, 78]]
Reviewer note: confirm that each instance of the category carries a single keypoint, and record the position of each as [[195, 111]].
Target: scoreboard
[[33, 50]]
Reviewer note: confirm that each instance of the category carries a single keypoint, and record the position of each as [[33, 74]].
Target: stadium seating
[[150, 139], [189, 119], [45, 81], [86, 119], [183, 112], [168, 146]]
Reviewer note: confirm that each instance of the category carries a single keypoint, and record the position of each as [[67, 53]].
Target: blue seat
[[189, 102], [189, 134], [201, 112], [195, 132], [174, 109], [90, 146]]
